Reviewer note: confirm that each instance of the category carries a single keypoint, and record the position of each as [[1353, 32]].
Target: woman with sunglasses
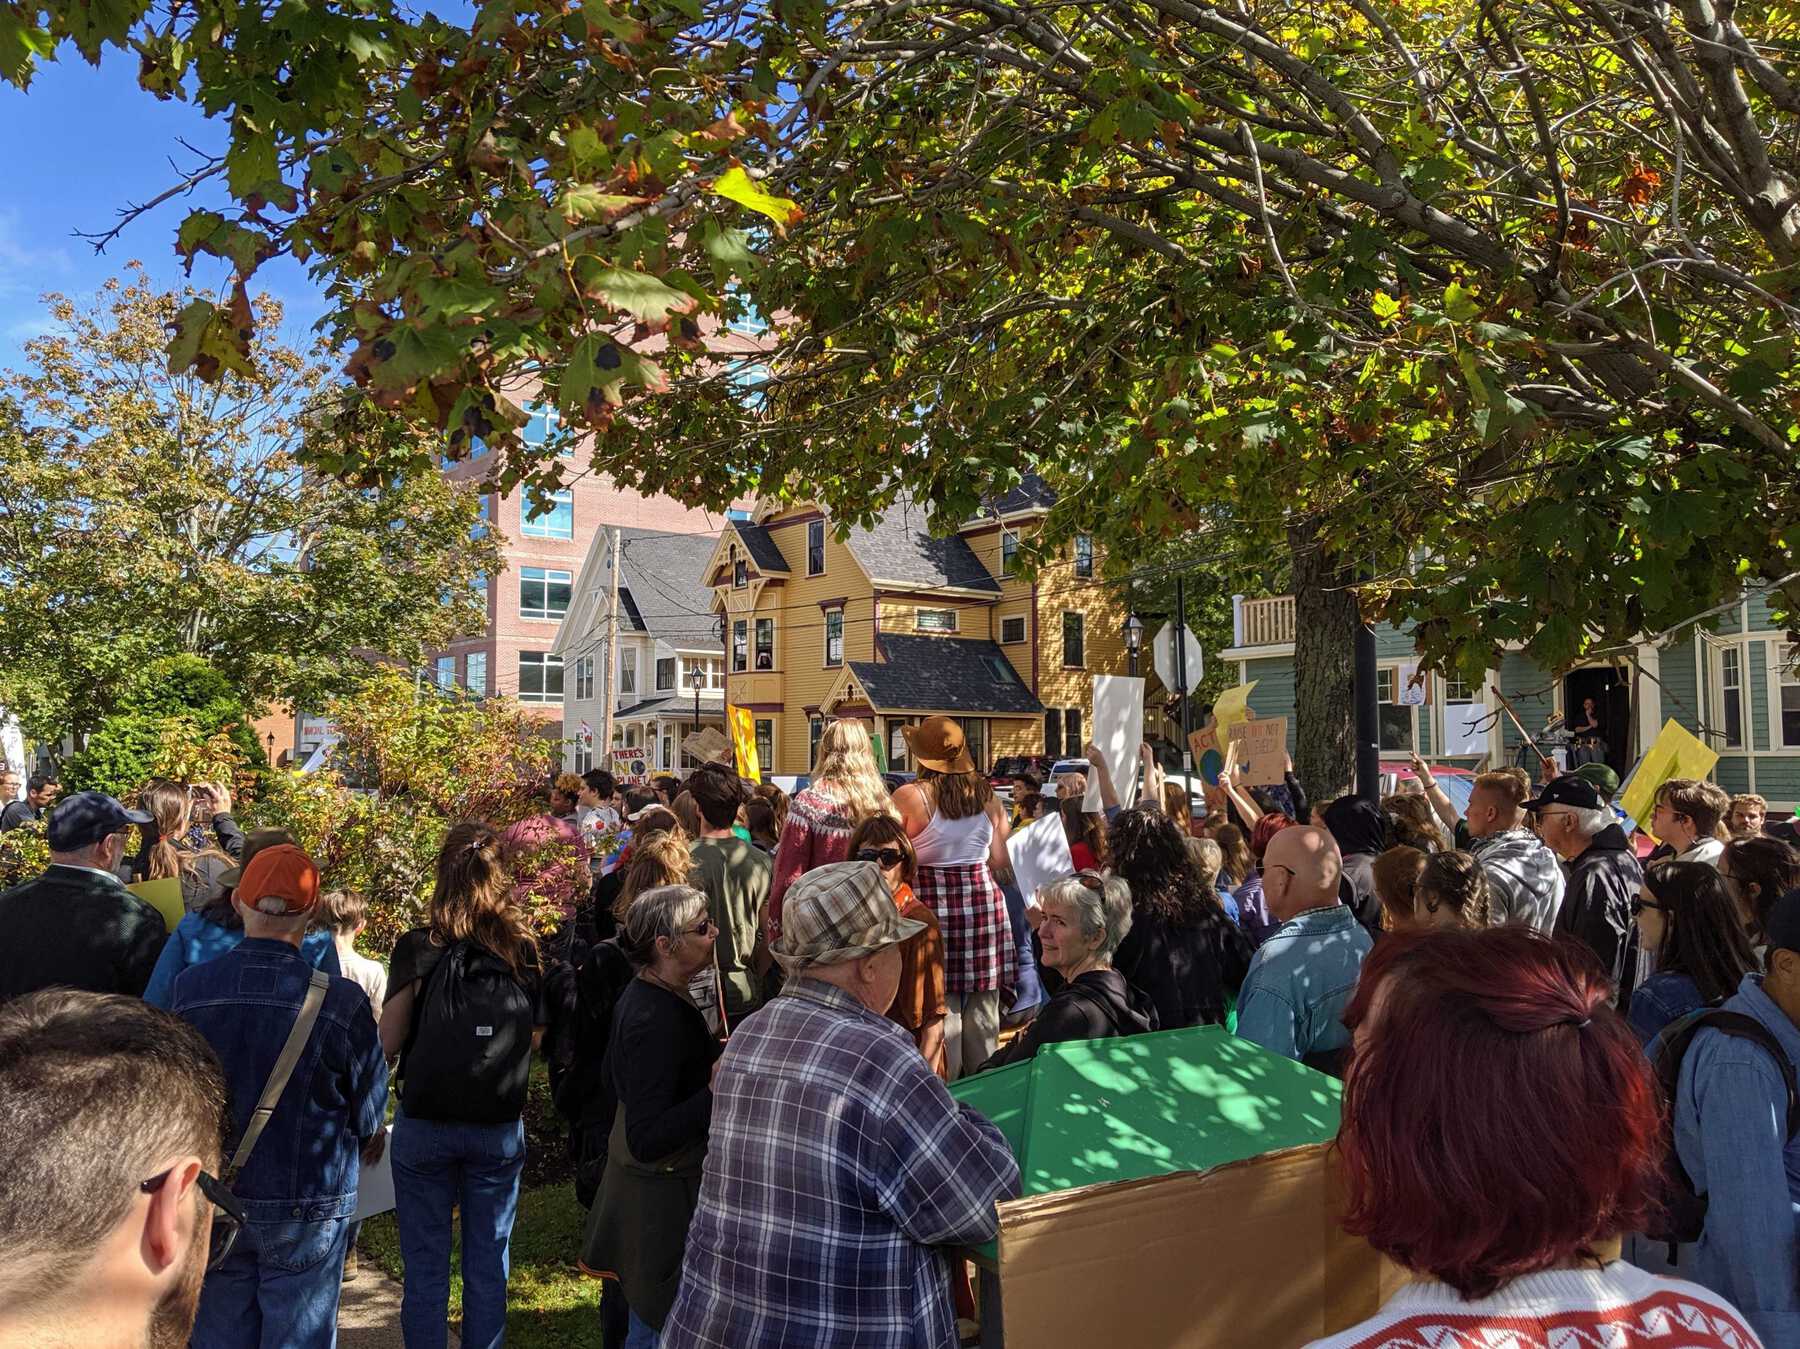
[[1689, 923], [919, 1007], [661, 1058]]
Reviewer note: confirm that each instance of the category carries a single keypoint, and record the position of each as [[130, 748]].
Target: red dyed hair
[[1265, 829], [1499, 1116]]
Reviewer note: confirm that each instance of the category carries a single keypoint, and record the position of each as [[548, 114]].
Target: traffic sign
[[1162, 650]]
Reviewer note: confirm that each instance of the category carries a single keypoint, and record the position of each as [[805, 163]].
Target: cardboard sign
[[164, 896], [1677, 753], [706, 745], [1040, 854], [1209, 755], [1232, 706], [1118, 734], [631, 767], [743, 739], [1261, 750]]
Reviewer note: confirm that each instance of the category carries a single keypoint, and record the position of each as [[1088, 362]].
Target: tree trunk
[[1325, 624]]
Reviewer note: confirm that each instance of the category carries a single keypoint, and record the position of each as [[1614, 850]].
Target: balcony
[[1263, 622]]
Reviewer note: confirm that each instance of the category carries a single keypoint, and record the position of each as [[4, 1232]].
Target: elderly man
[[1527, 884], [1301, 978], [77, 924], [838, 1166], [1602, 870]]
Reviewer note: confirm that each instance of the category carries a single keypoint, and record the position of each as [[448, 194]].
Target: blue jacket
[[244, 1003], [1731, 1134], [1660, 1001], [1300, 981], [197, 939]]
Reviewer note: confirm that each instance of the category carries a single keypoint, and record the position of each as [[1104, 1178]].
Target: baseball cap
[[836, 913], [1568, 790], [280, 879], [82, 820], [254, 842], [1782, 926], [1602, 776]]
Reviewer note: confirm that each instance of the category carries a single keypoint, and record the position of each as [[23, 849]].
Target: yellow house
[[893, 625]]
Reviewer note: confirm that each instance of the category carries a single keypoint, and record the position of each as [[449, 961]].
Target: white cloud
[[26, 268]]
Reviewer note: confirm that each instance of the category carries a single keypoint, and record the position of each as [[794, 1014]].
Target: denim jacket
[[244, 1002], [1300, 981], [1731, 1134]]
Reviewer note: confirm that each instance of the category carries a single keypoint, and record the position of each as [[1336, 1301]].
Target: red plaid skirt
[[971, 912]]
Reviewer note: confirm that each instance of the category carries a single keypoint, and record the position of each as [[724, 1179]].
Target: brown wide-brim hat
[[938, 743], [254, 842]]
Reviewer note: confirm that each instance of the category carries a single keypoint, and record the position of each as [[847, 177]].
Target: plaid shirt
[[837, 1166], [978, 943]]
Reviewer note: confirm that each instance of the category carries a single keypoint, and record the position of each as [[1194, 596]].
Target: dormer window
[[740, 570]]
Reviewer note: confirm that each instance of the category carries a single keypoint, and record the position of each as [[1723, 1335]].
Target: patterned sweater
[[1617, 1306], [817, 833]]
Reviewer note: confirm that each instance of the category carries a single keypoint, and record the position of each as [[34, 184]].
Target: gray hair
[[1104, 913], [1590, 822], [1208, 858], [660, 912]]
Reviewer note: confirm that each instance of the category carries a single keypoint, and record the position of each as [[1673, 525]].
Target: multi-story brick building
[[893, 625]]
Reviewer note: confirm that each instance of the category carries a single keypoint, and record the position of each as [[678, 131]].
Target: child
[[341, 913], [919, 1007]]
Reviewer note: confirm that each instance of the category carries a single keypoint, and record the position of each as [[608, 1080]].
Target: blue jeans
[[440, 1166], [277, 1289], [640, 1335]]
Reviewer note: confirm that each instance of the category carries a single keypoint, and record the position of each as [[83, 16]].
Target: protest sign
[[1676, 753], [1118, 734], [1261, 750], [375, 1185], [164, 896], [1232, 706], [1209, 755], [1040, 854], [706, 745], [743, 739], [630, 767]]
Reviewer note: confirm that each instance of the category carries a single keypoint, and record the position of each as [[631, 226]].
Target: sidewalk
[[369, 1312]]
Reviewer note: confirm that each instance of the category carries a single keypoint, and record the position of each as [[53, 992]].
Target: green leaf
[[1459, 302], [21, 45], [589, 201], [639, 294], [251, 166], [453, 297], [729, 247], [1385, 306], [93, 24], [735, 185]]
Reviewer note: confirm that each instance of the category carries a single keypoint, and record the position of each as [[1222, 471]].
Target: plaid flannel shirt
[[837, 1168]]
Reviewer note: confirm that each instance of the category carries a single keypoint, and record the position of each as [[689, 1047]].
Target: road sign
[[1162, 650]]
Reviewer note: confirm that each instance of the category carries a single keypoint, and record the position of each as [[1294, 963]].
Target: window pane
[[1456, 691], [834, 637], [935, 620], [765, 644], [665, 676], [765, 745], [1084, 555], [1012, 630], [1384, 685], [1009, 549], [1072, 732], [540, 677], [1074, 648], [815, 548], [1053, 733], [554, 521], [446, 672], [628, 671], [740, 646], [476, 667]]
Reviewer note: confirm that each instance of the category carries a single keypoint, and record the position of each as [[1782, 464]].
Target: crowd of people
[[750, 1025]]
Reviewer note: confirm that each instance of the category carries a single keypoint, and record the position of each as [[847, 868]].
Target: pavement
[[369, 1312]]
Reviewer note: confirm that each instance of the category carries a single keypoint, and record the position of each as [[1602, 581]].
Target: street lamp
[[697, 678], [1134, 639]]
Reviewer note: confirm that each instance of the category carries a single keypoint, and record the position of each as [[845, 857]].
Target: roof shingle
[[761, 546], [943, 674], [901, 548]]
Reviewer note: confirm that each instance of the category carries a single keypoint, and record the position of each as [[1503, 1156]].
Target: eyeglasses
[[882, 857], [228, 1214], [1276, 866], [704, 928], [1639, 905]]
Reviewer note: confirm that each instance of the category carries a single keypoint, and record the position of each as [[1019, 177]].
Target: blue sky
[[78, 145]]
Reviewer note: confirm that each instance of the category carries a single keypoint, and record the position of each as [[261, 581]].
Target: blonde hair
[[1208, 859], [1415, 823], [846, 768], [472, 899], [171, 808], [661, 860]]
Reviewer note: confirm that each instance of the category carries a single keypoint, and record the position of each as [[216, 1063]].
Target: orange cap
[[279, 880]]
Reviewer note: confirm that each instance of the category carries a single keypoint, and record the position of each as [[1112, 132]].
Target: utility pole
[[1368, 718], [610, 647], [1184, 694]]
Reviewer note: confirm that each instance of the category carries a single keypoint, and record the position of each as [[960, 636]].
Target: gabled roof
[[901, 548], [1032, 494], [761, 546], [943, 674], [663, 587]]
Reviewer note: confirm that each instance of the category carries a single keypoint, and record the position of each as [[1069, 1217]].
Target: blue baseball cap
[[82, 820]]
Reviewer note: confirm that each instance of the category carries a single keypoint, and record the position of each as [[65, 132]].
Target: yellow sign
[[1231, 707], [164, 896], [743, 736], [1677, 753]]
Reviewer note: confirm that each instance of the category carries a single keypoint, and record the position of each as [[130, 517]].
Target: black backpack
[[468, 1058], [1684, 1208]]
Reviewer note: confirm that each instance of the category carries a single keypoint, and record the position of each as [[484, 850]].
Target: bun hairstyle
[[1455, 879], [472, 899]]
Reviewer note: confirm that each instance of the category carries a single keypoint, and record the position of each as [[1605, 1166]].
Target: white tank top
[[954, 843]]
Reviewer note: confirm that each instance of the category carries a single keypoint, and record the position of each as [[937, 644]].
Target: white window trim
[[774, 644], [539, 528], [628, 660], [544, 615], [1715, 694], [1773, 650]]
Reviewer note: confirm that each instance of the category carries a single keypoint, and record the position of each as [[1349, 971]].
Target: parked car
[[1009, 766]]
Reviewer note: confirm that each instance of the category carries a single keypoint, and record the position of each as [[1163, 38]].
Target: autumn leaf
[[736, 185]]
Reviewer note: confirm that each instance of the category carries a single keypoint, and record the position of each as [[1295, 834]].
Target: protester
[[735, 878], [1605, 780], [1025, 787], [1086, 833], [9, 787], [838, 1166], [1526, 881], [1506, 1218], [110, 1135], [846, 789], [687, 810], [77, 924], [659, 857], [597, 809], [1758, 869], [1687, 818], [461, 1011], [1731, 1135], [40, 790], [218, 927], [1071, 786], [1689, 925], [1396, 886], [1303, 974], [1238, 864], [1746, 814], [1453, 891], [661, 1057], [302, 1058], [1177, 806], [170, 851], [1414, 823], [1603, 874], [565, 798], [1181, 948], [759, 819], [779, 804], [1253, 913], [1361, 833], [920, 1003], [1208, 859], [959, 834], [651, 822], [666, 788], [344, 914], [1080, 922]]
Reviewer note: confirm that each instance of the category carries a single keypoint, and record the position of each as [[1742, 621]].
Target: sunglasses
[[228, 1214], [1639, 905], [704, 928], [1091, 880], [883, 857]]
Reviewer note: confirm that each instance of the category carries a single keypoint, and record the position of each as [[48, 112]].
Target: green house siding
[[1779, 780], [1733, 773], [1756, 656], [1393, 643], [1530, 691], [1761, 613], [1676, 677], [1273, 695]]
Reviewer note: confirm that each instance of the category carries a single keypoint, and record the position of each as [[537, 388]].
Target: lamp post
[[271, 749], [1134, 639], [697, 679]]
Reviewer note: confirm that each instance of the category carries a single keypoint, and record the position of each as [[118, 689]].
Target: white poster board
[[1465, 730], [375, 1185], [1118, 735], [1040, 854]]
